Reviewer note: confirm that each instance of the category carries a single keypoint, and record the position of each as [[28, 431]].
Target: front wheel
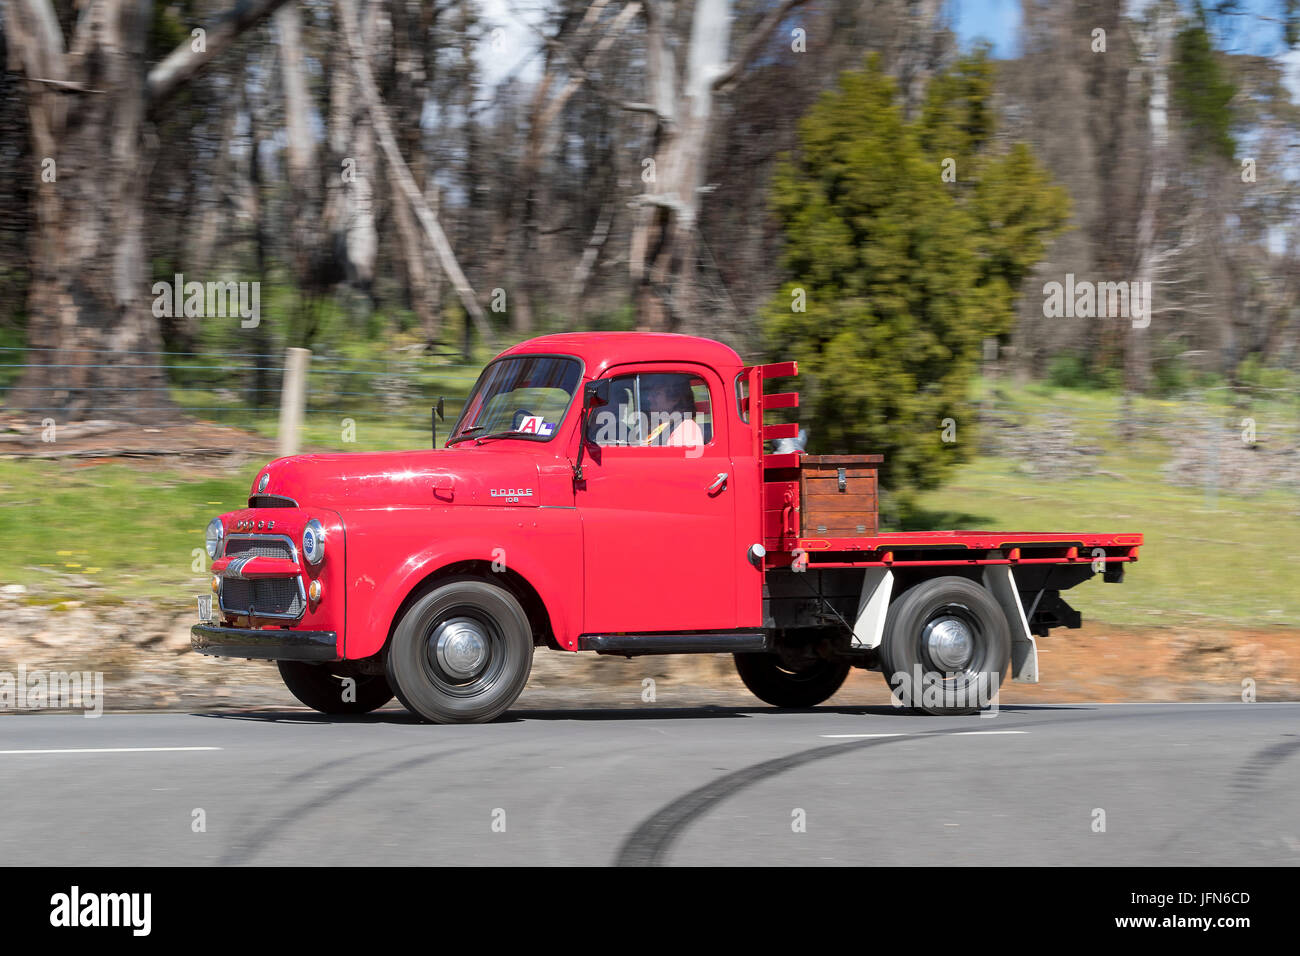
[[319, 689], [462, 653], [946, 647], [772, 681]]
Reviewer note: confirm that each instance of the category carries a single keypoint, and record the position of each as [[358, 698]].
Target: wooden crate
[[837, 495]]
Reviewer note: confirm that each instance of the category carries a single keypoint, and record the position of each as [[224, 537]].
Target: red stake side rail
[[955, 548]]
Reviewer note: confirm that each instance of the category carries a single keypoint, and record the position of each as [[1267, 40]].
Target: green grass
[[129, 529], [372, 428], [371, 431]]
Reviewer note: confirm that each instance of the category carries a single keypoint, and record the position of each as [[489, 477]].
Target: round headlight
[[212, 537], [313, 542]]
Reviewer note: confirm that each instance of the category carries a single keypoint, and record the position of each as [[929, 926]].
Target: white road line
[[1151, 703], [109, 750], [952, 733]]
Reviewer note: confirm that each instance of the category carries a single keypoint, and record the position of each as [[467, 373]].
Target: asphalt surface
[[1179, 784]]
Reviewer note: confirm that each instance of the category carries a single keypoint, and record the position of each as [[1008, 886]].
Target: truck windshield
[[523, 396]]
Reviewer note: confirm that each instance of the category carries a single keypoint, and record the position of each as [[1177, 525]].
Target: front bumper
[[276, 644]]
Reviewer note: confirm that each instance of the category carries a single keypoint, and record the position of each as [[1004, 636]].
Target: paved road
[[1179, 784]]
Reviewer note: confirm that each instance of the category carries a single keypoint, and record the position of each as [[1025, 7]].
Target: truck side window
[[654, 408]]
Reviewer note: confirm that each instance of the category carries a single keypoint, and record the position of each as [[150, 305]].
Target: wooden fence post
[[293, 399]]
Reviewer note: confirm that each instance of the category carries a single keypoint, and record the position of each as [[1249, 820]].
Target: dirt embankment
[[147, 664], [180, 441]]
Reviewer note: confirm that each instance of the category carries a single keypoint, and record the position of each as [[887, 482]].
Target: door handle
[[719, 483]]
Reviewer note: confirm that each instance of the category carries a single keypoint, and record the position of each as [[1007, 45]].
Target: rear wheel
[[461, 653], [946, 647], [773, 681], [319, 689]]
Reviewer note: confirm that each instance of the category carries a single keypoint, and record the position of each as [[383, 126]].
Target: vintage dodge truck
[[614, 492]]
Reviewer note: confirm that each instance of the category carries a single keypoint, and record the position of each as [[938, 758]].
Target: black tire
[[493, 620], [952, 682], [772, 682], [319, 689]]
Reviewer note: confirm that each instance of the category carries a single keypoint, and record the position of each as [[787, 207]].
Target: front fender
[[392, 550]]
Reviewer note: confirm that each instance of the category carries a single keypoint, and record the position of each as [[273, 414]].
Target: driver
[[670, 403]]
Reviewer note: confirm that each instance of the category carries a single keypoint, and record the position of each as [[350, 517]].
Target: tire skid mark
[[1242, 792], [264, 834], [1251, 776], [315, 770], [649, 843]]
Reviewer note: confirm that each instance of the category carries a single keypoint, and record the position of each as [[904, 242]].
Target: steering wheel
[[518, 418]]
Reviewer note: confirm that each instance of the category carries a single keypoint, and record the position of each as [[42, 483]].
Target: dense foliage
[[901, 274]]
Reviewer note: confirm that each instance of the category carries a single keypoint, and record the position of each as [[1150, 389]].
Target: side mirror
[[595, 394], [435, 416]]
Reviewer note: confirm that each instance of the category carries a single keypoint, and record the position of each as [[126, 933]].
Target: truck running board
[[682, 642]]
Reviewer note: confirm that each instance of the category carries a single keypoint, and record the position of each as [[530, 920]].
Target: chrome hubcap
[[949, 642], [460, 647]]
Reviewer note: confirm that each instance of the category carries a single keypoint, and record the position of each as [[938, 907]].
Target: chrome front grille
[[263, 597], [261, 547], [269, 597]]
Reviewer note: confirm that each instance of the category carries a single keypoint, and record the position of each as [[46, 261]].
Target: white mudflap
[[1001, 583], [869, 628]]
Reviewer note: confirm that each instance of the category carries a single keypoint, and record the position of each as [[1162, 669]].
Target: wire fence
[[237, 389]]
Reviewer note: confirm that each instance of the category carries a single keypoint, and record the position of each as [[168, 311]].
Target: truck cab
[[614, 492]]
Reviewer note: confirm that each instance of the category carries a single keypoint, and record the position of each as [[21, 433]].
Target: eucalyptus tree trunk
[[1156, 45], [664, 239], [401, 173], [93, 337], [414, 71]]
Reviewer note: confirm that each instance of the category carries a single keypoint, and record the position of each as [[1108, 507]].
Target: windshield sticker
[[536, 425]]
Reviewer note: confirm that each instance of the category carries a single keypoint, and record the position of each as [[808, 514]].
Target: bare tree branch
[[35, 39], [752, 43], [35, 21], [402, 174], [300, 145], [183, 62], [582, 272], [63, 86], [582, 74], [602, 46], [661, 71], [670, 201]]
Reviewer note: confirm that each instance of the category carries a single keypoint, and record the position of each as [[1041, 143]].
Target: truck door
[[657, 508]]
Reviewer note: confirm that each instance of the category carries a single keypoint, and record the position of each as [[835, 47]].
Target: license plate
[[205, 609]]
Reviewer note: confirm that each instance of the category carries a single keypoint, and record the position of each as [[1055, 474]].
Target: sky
[[997, 21]]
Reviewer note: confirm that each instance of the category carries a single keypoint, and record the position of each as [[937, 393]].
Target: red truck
[[614, 492]]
